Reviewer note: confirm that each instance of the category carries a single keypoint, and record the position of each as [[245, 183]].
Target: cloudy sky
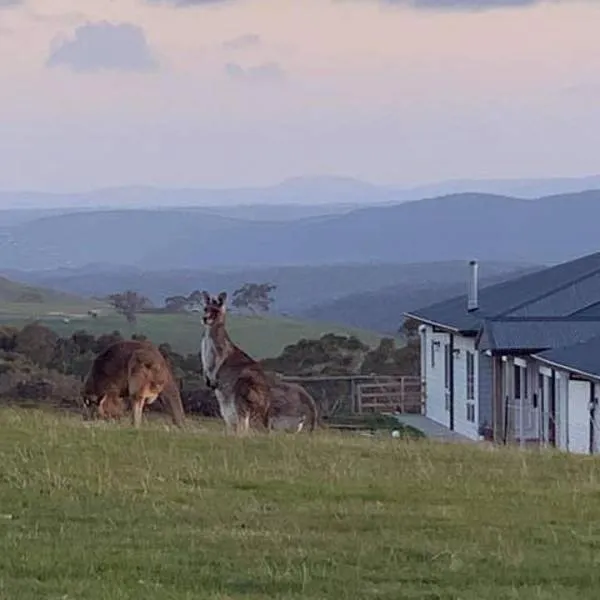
[[249, 92]]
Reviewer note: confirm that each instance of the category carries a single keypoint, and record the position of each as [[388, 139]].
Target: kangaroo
[[134, 369], [245, 392], [239, 382], [291, 407]]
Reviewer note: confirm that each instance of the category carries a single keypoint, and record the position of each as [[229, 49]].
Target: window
[[470, 376], [432, 354], [470, 371], [520, 383], [470, 412], [517, 385]]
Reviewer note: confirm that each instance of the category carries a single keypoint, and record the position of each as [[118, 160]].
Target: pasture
[[260, 336], [101, 511]]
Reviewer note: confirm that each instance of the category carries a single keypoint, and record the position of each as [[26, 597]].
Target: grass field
[[262, 337], [105, 512]]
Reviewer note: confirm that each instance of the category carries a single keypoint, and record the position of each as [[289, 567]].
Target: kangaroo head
[[214, 308]]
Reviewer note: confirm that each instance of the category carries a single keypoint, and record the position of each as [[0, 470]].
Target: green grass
[[105, 512], [375, 422], [261, 337]]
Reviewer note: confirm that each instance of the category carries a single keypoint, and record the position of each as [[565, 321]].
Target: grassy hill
[[107, 512], [261, 337], [298, 288], [19, 298]]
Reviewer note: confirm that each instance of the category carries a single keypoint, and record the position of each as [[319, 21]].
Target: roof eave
[[432, 323], [564, 367]]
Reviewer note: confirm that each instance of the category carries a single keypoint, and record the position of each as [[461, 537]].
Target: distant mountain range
[[454, 227], [329, 191]]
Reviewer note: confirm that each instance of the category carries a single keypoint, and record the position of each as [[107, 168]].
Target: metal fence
[[358, 394]]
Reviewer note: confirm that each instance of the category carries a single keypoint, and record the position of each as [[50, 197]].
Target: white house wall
[[435, 403]]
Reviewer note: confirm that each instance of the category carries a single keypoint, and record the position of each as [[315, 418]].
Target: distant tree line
[[250, 297], [38, 366]]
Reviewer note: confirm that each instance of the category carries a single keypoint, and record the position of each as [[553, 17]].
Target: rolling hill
[[455, 227], [26, 299], [298, 288], [382, 310]]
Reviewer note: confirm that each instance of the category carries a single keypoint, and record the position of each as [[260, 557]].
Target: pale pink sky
[[247, 92]]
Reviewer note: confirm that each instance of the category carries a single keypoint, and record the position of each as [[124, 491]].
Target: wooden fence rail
[[402, 395], [357, 394]]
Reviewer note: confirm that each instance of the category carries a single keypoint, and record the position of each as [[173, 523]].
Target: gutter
[[432, 323], [564, 367]]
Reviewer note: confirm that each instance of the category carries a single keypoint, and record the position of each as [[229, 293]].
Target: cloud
[[189, 3], [248, 40], [103, 45], [466, 5], [10, 3], [270, 72]]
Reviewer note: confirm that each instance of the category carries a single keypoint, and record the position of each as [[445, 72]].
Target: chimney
[[473, 288]]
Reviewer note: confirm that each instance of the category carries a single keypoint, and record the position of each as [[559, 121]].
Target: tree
[[129, 303], [37, 343], [409, 329], [176, 303], [254, 296]]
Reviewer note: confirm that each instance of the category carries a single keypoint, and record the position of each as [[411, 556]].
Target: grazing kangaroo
[[245, 392], [134, 369], [291, 407]]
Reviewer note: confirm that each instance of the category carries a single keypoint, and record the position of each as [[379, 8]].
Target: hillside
[[455, 227], [298, 288], [382, 310], [97, 512], [24, 299], [261, 337]]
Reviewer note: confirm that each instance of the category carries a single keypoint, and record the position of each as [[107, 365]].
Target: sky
[[232, 93]]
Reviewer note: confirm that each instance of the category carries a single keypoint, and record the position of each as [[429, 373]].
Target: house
[[577, 369], [486, 356]]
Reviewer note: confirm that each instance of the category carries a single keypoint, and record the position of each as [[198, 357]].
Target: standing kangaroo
[[134, 369], [244, 390]]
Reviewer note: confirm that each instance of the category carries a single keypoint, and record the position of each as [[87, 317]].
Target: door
[[546, 408], [578, 417], [526, 404]]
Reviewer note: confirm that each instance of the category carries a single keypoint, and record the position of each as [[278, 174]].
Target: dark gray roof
[[560, 291], [583, 357], [534, 335]]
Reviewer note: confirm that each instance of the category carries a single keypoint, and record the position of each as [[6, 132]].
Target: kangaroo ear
[[222, 297], [206, 297]]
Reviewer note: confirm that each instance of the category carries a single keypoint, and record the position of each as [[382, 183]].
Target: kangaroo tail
[[173, 398]]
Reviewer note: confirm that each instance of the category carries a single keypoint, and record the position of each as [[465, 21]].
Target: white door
[[578, 417], [526, 406], [437, 381], [546, 408]]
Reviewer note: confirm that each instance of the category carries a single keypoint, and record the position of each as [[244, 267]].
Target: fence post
[[353, 399], [402, 394]]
